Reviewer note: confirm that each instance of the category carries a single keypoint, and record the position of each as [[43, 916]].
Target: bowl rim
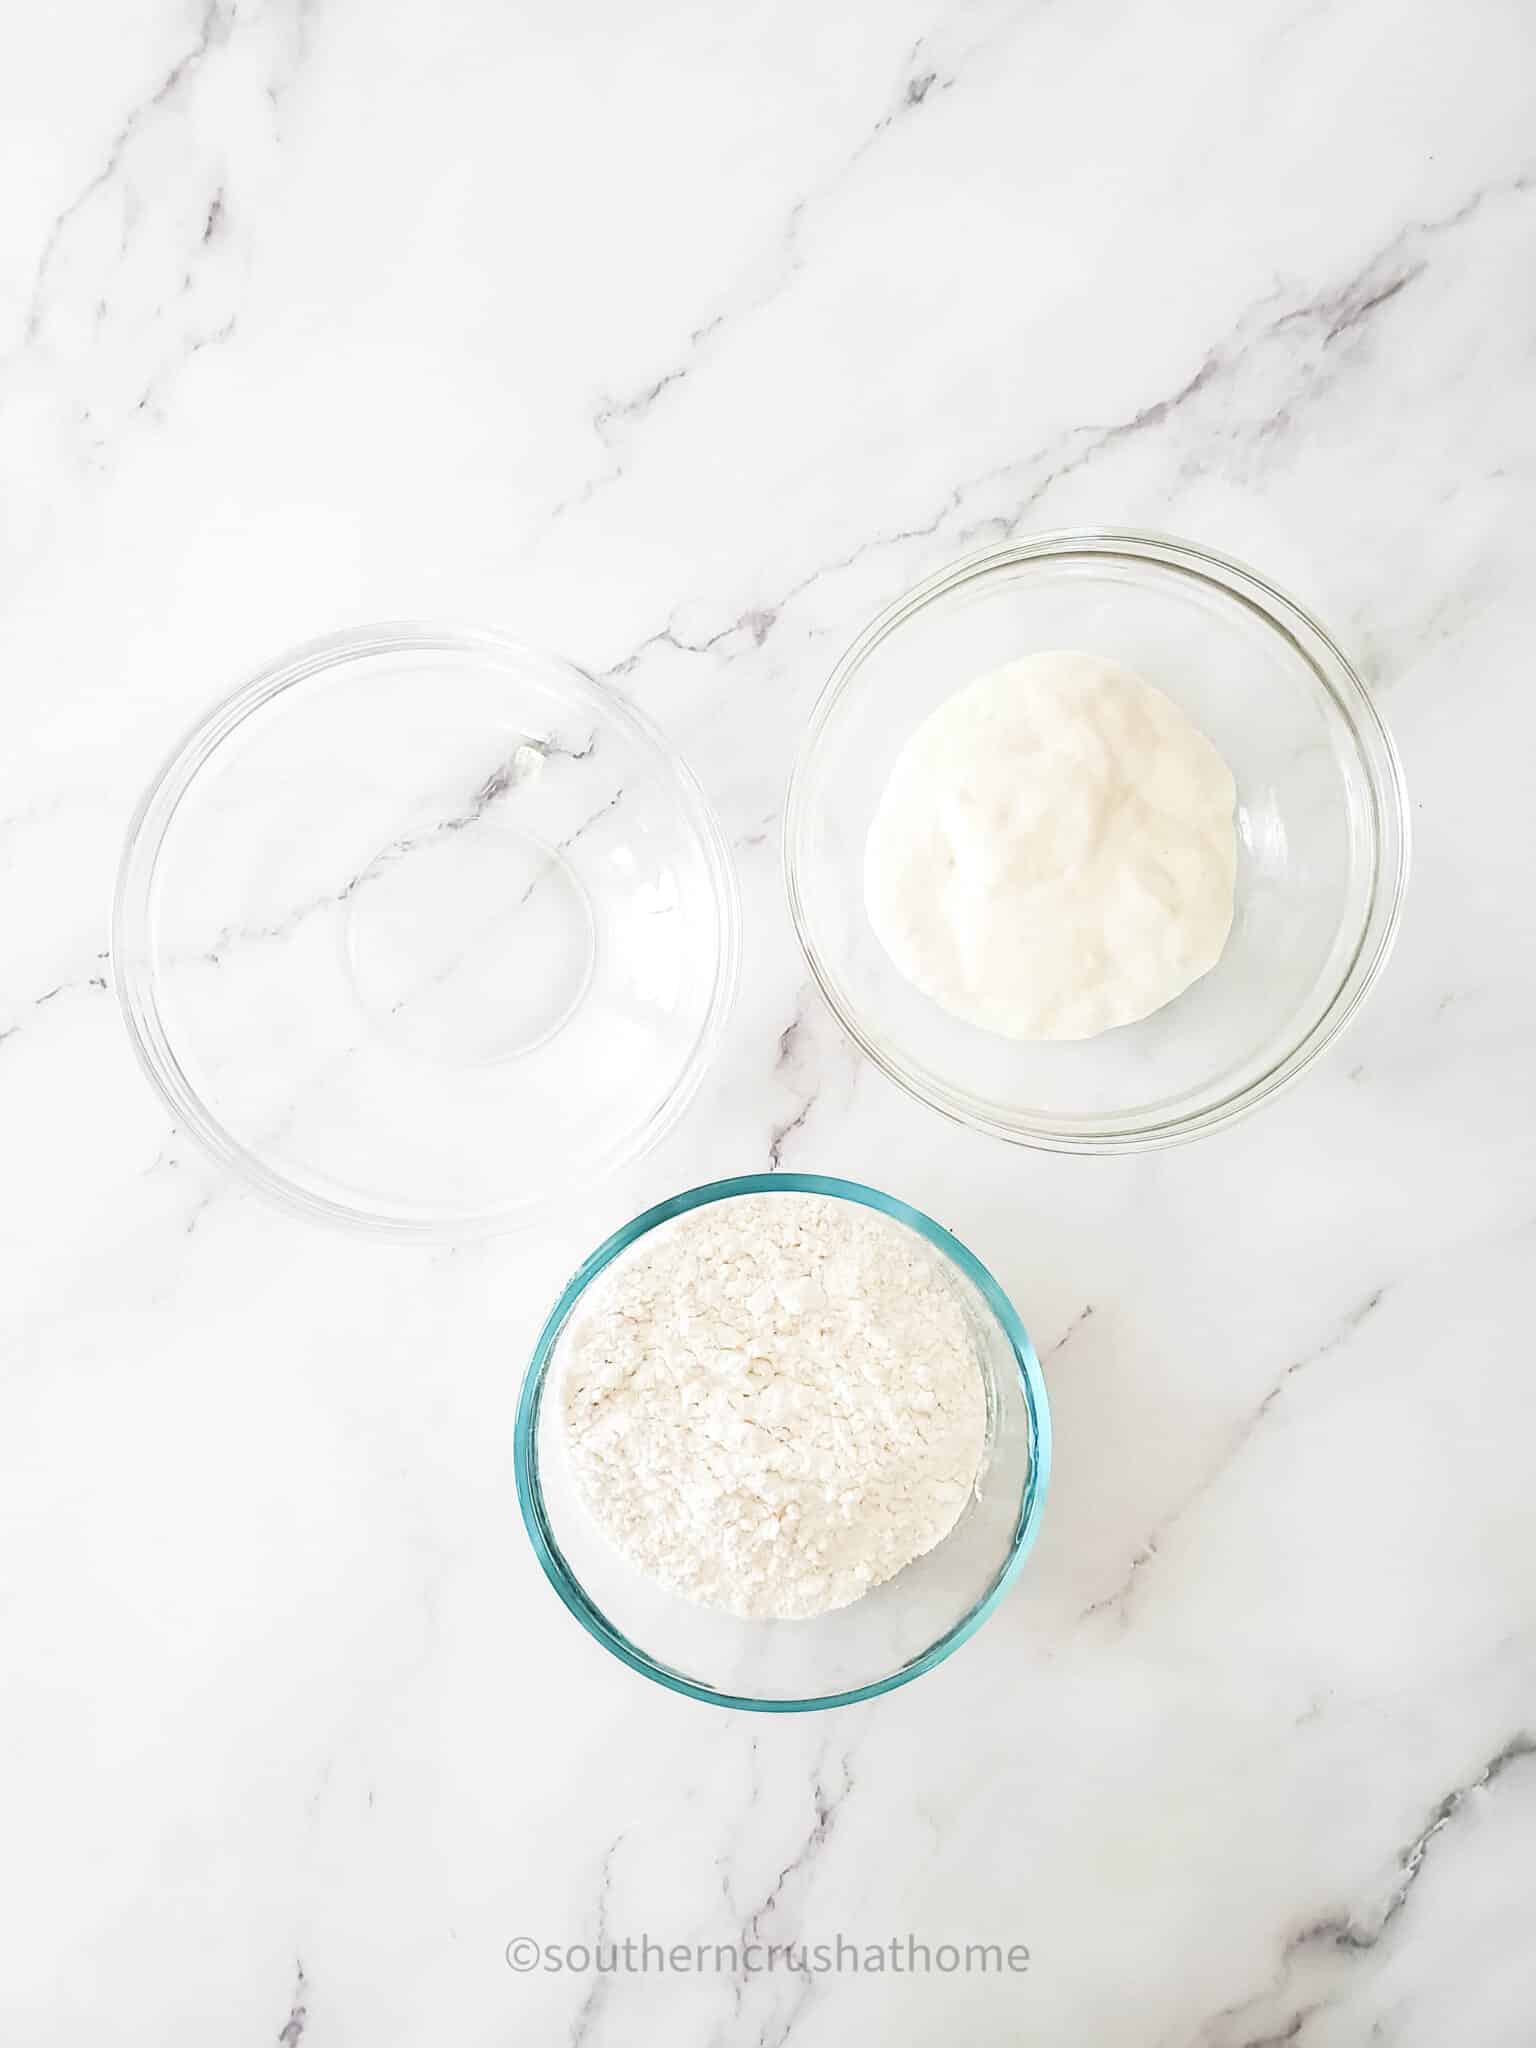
[[1390, 837], [133, 970], [530, 1494]]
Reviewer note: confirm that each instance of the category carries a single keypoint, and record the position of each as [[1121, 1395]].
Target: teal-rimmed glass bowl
[[896, 1632]]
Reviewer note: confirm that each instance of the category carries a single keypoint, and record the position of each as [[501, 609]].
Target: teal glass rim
[[530, 1494]]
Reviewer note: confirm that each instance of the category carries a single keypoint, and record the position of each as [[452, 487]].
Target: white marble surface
[[678, 339]]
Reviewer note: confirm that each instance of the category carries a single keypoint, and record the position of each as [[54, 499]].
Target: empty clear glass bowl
[[420, 929], [1322, 829], [894, 1633]]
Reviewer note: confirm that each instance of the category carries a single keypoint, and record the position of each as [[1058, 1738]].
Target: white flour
[[773, 1403], [1054, 853]]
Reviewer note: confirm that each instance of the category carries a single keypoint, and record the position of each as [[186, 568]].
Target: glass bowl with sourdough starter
[[1321, 822], [892, 1634], [421, 929]]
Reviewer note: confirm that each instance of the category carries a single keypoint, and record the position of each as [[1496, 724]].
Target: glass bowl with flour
[[1095, 840], [783, 1443]]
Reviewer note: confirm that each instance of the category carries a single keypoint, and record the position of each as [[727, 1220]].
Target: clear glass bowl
[[420, 929], [1322, 827], [890, 1636]]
